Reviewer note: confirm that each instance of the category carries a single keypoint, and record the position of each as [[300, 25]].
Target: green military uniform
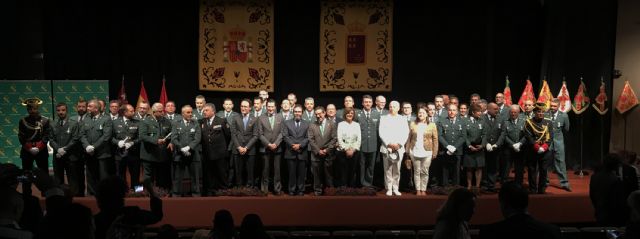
[[156, 158], [183, 134], [451, 132], [96, 134], [513, 132], [128, 156], [560, 126], [65, 141], [494, 136], [369, 123], [475, 136]]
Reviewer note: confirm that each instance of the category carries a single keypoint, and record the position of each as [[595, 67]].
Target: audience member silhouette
[[633, 225], [11, 206], [517, 222], [110, 196], [70, 221], [167, 231], [607, 193], [223, 226], [453, 218], [252, 228]]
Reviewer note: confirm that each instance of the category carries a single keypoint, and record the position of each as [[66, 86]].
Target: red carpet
[[557, 206]]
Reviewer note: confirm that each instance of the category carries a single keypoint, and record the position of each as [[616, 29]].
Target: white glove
[[185, 149], [90, 149], [121, 144], [187, 154], [489, 147], [61, 152], [128, 145], [58, 155], [449, 152], [494, 147], [540, 150], [451, 148], [516, 146], [34, 150]]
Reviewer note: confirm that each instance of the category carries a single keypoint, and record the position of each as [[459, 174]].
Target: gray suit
[[369, 146], [296, 160], [560, 127], [97, 133], [245, 137], [182, 135], [65, 134], [271, 135], [322, 140]]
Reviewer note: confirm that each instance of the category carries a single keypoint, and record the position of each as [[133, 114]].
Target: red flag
[[143, 94], [564, 99], [545, 94], [581, 101], [507, 93], [627, 99], [601, 100], [527, 94], [163, 93], [122, 96]]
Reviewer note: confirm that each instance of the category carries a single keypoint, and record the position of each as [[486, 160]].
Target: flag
[[601, 100], [122, 96], [143, 94], [163, 93], [507, 93], [627, 99], [564, 99], [527, 94], [581, 100], [545, 94]]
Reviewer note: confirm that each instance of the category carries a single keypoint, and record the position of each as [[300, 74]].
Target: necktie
[[210, 121], [171, 117], [244, 120], [271, 121], [226, 114], [366, 114], [322, 129], [297, 124], [125, 122], [61, 123]]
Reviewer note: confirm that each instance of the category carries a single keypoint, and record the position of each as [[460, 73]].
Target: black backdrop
[[454, 47]]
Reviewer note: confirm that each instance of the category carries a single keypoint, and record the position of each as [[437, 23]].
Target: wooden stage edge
[[557, 206]]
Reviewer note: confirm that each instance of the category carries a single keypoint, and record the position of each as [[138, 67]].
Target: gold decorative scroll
[[356, 45], [236, 45]]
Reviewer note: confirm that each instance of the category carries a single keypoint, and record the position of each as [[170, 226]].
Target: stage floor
[[557, 206]]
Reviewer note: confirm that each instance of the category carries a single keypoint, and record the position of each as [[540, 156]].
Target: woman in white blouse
[[423, 147], [349, 138]]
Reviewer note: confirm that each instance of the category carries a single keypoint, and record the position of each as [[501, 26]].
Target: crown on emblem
[[356, 27], [237, 33]]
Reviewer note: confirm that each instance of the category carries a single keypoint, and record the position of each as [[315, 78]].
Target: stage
[[557, 206]]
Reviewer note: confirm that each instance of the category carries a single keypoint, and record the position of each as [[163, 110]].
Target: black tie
[[61, 123]]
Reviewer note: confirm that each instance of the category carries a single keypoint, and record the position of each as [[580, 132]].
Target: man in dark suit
[[228, 114], [294, 134], [517, 223], [65, 141], [96, 142], [348, 103], [215, 138], [244, 135], [322, 141], [270, 131], [81, 108], [331, 114], [368, 119], [441, 109], [185, 138], [126, 142], [381, 102], [34, 132], [154, 148], [257, 110]]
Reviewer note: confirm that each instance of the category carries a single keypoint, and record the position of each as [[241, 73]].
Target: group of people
[[339, 147]]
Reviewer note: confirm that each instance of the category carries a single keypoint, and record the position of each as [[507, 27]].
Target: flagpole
[[580, 172]]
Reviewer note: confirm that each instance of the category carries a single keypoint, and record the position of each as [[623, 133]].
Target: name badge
[[192, 130], [133, 127], [460, 126]]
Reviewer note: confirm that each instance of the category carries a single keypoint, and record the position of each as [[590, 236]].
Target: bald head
[[492, 109]]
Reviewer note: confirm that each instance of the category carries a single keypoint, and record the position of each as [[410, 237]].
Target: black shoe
[[278, 193], [567, 188], [292, 194], [318, 193], [300, 193]]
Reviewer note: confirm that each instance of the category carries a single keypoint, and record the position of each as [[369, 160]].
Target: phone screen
[[138, 189]]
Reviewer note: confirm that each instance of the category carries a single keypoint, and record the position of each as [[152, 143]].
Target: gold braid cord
[[36, 128], [543, 131]]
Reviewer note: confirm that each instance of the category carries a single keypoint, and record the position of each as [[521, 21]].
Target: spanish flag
[[143, 95], [545, 94]]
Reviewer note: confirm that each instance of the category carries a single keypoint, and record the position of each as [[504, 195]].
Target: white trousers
[[391, 172]]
